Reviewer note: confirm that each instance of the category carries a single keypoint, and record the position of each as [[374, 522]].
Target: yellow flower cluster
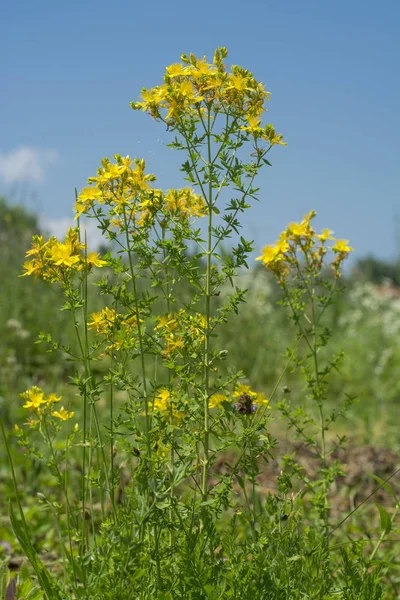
[[280, 256], [194, 88], [121, 329], [183, 203], [53, 260], [125, 189], [36, 401], [257, 398], [115, 184], [164, 402], [181, 331]]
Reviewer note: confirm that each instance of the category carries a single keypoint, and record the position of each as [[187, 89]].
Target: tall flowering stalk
[[214, 112], [299, 261]]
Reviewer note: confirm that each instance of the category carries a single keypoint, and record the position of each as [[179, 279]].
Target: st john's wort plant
[[298, 260], [145, 509]]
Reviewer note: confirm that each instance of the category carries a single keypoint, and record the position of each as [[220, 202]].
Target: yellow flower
[[302, 229], [241, 389], [174, 343], [161, 402], [137, 177], [62, 254], [216, 400], [237, 82], [186, 89], [97, 320], [95, 260], [167, 321], [103, 321], [186, 202], [269, 255], [176, 70], [201, 68], [126, 161], [32, 267], [159, 94], [325, 235], [342, 247], [34, 398], [52, 399], [113, 171], [281, 246], [116, 222], [253, 124], [89, 193], [299, 229], [261, 399], [38, 245], [147, 98], [62, 414], [86, 198]]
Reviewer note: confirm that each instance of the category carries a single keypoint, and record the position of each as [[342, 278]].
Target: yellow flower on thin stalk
[[325, 235], [34, 398], [62, 414], [94, 260], [342, 247], [53, 398]]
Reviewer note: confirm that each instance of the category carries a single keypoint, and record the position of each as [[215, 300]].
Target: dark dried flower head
[[245, 405]]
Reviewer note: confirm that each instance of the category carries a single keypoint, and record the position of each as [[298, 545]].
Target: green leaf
[[47, 583], [386, 486], [386, 521], [240, 481]]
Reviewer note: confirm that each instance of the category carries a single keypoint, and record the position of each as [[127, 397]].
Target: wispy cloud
[[26, 163], [59, 228]]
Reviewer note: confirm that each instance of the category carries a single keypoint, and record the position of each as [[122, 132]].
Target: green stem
[[14, 478], [171, 412], [206, 441], [68, 507], [140, 336], [250, 512], [383, 534], [88, 381]]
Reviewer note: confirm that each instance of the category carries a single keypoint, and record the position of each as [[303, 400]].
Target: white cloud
[[59, 228], [26, 164]]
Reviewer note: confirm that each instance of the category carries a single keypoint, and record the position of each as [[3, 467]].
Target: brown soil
[[358, 483]]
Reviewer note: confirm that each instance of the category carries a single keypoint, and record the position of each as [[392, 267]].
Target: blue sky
[[69, 70]]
